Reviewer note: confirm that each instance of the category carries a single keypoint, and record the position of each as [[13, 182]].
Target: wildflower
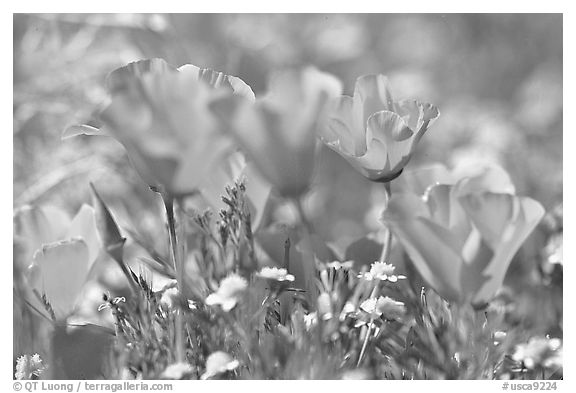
[[169, 297], [125, 374], [217, 363], [540, 351], [462, 237], [348, 309], [383, 306], [279, 131], [499, 337], [310, 320], [112, 302], [275, 274], [229, 292], [374, 133], [28, 367], [177, 371], [336, 265], [554, 250], [161, 116], [381, 271], [324, 304], [235, 169]]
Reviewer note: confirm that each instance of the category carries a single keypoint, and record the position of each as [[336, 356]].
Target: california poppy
[[374, 133], [462, 237]]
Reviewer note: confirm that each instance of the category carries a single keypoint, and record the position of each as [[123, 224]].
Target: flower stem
[[365, 344], [178, 268], [307, 251], [302, 216], [387, 247]]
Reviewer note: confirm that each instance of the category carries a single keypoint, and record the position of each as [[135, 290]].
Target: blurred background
[[496, 78]]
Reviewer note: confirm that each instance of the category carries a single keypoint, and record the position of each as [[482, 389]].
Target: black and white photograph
[[287, 196]]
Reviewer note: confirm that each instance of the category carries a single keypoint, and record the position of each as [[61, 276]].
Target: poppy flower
[[279, 131], [374, 133], [491, 176], [462, 237], [63, 250], [161, 116], [36, 226]]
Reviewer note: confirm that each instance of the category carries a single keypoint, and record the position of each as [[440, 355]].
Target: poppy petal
[[529, 213], [371, 95], [430, 246]]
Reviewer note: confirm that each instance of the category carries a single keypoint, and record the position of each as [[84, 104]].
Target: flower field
[[288, 196]]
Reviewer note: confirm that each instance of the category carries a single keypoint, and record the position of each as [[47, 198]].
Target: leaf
[[112, 240]]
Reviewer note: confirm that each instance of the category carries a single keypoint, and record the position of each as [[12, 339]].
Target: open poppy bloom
[[63, 249], [160, 115], [374, 133], [279, 131], [462, 237]]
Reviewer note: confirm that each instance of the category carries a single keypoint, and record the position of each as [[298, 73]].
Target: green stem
[[302, 216], [287, 254], [365, 344], [308, 252], [387, 247], [178, 268]]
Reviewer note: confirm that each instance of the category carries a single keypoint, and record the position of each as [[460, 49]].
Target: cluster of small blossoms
[[171, 298], [219, 363], [229, 292], [177, 371], [381, 271], [29, 367], [337, 265], [381, 307], [540, 352], [274, 274], [363, 304]]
